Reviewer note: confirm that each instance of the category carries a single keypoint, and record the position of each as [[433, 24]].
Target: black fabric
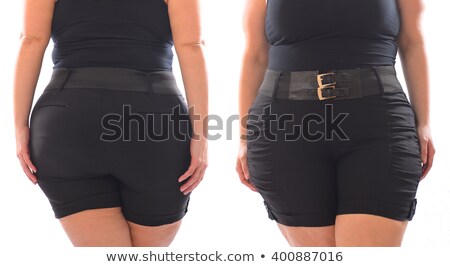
[[374, 168], [326, 34], [79, 168], [112, 33]]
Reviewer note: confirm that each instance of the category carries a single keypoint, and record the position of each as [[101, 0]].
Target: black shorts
[[102, 137], [312, 160]]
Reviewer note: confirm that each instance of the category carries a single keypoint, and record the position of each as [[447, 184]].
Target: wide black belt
[[121, 79], [337, 84]]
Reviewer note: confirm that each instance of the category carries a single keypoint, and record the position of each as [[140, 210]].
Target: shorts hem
[[150, 220], [97, 202], [307, 220], [304, 220], [388, 210], [154, 220]]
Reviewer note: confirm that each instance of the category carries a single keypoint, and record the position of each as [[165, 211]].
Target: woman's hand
[[427, 149], [23, 153], [242, 166], [199, 163]]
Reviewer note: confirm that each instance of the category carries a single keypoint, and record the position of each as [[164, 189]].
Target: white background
[[222, 212]]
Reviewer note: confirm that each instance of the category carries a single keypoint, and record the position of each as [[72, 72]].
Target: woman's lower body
[[109, 145], [337, 171]]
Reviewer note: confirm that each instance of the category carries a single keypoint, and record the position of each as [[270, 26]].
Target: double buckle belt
[[337, 84], [322, 85]]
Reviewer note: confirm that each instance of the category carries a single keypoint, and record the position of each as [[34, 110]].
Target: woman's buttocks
[[321, 34], [112, 33]]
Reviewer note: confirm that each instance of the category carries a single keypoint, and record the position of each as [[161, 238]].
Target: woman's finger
[[27, 170], [202, 172], [430, 159], [239, 169], [249, 185], [244, 167], [188, 173], [196, 183], [241, 173], [424, 151], [242, 178], [191, 181], [26, 158]]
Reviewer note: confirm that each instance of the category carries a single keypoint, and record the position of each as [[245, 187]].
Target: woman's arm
[[414, 62], [34, 39], [254, 65], [189, 45]]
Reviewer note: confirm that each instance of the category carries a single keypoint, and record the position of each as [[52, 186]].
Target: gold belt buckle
[[324, 86]]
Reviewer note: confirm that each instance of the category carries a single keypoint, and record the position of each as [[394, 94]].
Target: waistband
[[120, 79], [337, 84]]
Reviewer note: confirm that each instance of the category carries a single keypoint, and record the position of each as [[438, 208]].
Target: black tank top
[[331, 34], [112, 33]]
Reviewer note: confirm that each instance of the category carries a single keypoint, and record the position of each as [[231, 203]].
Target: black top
[[112, 33], [331, 34]]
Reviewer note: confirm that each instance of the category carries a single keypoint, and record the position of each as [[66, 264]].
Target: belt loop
[[275, 86], [149, 83], [380, 82]]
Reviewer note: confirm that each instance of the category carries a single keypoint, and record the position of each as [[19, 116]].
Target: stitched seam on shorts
[[275, 167], [369, 200], [77, 201], [303, 214], [152, 216], [388, 122]]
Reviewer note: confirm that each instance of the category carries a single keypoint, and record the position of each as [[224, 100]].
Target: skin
[[108, 227], [349, 229], [415, 68]]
